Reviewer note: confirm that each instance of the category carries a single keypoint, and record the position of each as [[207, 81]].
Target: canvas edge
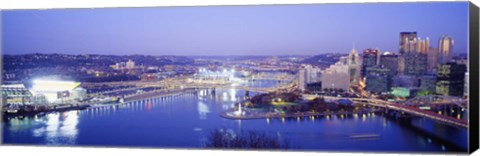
[[473, 78]]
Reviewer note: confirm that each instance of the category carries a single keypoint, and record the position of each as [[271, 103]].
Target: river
[[184, 121]]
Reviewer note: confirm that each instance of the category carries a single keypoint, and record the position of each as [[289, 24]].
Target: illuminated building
[[369, 59], [54, 91], [416, 58], [407, 42], [15, 94], [465, 91], [432, 58], [445, 49], [428, 83], [415, 64], [308, 75], [336, 76], [312, 74], [378, 79], [390, 61], [422, 45], [302, 79], [404, 92], [451, 79], [354, 65], [130, 64], [214, 77]]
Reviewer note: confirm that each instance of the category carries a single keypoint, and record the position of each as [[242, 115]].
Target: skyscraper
[[369, 59], [312, 74], [378, 79], [416, 60], [423, 45], [432, 58], [336, 76], [445, 49], [389, 60], [302, 79], [354, 65], [407, 40], [451, 79]]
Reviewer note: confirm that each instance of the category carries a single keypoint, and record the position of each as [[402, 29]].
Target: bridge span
[[407, 109]]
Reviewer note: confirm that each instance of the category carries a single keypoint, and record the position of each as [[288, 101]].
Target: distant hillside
[[323, 60]]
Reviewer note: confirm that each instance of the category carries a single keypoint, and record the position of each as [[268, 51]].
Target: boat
[[364, 136]]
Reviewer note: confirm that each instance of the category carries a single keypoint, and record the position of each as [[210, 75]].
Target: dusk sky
[[231, 30]]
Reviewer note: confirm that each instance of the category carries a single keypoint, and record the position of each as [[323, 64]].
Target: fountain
[[239, 111]]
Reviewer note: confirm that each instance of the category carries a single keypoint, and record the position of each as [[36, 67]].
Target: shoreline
[[83, 106], [227, 115]]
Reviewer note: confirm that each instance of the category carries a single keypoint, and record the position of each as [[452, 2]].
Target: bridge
[[407, 109], [277, 77], [436, 100], [247, 88]]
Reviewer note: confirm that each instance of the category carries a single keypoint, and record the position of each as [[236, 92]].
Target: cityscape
[[413, 97]]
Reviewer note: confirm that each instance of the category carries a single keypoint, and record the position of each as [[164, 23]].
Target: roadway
[[403, 108]]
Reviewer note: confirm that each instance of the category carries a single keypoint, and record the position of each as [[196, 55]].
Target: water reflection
[[203, 110]]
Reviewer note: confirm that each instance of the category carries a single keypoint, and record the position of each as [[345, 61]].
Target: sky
[[231, 30]]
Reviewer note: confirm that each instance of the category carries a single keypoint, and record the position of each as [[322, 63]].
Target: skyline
[[231, 30]]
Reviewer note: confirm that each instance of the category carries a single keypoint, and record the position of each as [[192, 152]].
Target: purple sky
[[231, 30]]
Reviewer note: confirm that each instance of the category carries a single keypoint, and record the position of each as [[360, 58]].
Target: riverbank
[[232, 115], [80, 106]]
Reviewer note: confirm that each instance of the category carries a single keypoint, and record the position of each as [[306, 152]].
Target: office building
[[416, 58], [336, 76], [432, 59], [428, 83], [312, 74], [445, 49], [369, 59], [465, 89], [354, 66], [407, 42], [390, 60], [451, 79], [378, 79], [302, 79]]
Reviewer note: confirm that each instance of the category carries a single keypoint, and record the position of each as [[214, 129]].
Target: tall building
[[302, 79], [378, 79], [389, 60], [369, 59], [354, 66], [423, 45], [451, 79], [445, 49], [407, 40], [312, 74], [401, 64], [432, 58], [336, 76], [416, 60], [465, 91]]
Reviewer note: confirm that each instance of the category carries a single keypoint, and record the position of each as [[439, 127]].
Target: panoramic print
[[378, 77]]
